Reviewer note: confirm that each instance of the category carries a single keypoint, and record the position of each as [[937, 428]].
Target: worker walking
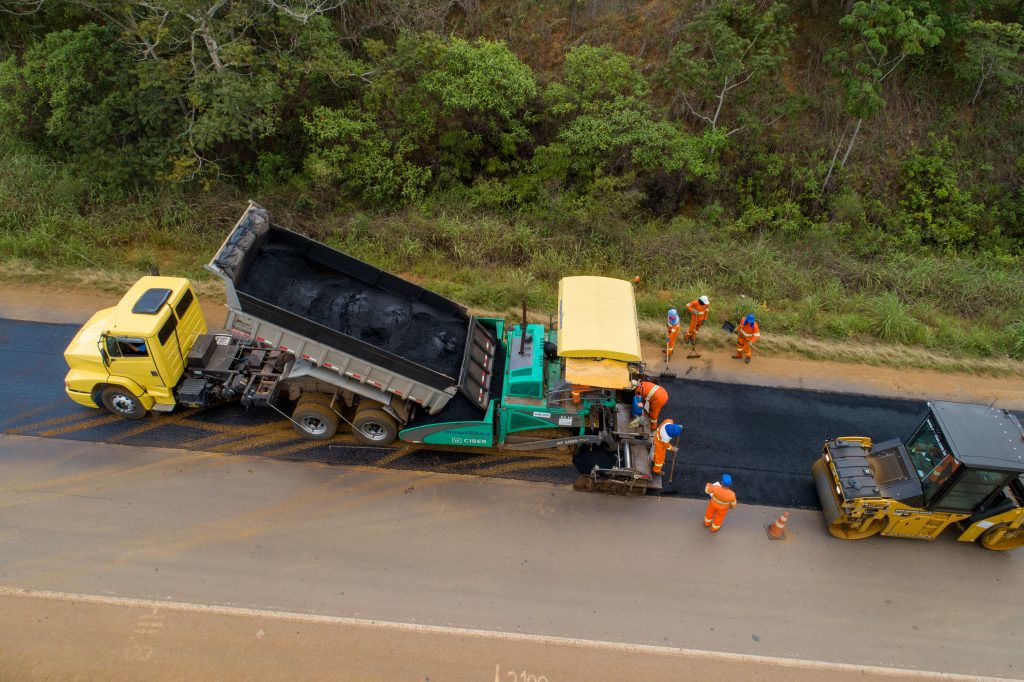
[[747, 335], [672, 333], [698, 308], [722, 500], [663, 443], [654, 397]]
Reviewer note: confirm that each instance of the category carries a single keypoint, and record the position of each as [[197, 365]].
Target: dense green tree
[[233, 71], [727, 63], [882, 35], [77, 95], [993, 60], [606, 126], [432, 109]]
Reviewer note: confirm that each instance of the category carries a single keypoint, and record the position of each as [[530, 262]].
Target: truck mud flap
[[826, 495], [478, 364]]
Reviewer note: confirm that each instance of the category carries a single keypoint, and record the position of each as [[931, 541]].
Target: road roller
[[962, 468]]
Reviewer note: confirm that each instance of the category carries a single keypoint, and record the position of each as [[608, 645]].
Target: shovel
[[693, 349], [672, 469]]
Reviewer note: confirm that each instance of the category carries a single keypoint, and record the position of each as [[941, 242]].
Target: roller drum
[[824, 484]]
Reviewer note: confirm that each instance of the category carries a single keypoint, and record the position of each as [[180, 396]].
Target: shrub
[[1015, 339], [891, 321]]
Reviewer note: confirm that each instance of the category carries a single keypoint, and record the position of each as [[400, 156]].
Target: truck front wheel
[[314, 418], [375, 427], [121, 402]]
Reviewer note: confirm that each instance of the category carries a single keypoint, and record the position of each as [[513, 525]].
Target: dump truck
[[322, 339], [963, 468]]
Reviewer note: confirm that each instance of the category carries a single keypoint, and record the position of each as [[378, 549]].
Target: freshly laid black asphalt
[[766, 438]]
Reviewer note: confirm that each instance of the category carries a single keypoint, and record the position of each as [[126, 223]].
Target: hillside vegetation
[[847, 170]]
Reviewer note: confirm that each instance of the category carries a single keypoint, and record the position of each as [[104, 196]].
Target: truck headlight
[[839, 490], [828, 457]]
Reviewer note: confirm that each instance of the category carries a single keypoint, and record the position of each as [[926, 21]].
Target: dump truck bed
[[340, 313]]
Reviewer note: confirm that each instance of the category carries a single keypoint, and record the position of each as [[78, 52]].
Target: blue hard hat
[[749, 319], [673, 314], [673, 430], [726, 479]]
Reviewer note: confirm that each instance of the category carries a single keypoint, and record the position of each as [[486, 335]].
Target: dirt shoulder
[[775, 366]]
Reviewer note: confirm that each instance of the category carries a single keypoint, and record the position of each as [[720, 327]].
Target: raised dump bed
[[340, 313]]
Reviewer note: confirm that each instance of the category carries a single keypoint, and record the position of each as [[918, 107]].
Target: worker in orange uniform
[[722, 500], [654, 397], [747, 335], [662, 443], [672, 333], [698, 308]]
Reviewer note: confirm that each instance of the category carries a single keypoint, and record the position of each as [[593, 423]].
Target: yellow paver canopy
[[597, 319]]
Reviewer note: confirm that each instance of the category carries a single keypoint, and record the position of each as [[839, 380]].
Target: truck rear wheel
[[121, 402], [374, 427], [1001, 538], [314, 418]]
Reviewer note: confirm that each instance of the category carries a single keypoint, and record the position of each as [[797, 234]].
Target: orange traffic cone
[[776, 530]]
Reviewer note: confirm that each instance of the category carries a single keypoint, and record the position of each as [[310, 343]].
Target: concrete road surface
[[296, 557]]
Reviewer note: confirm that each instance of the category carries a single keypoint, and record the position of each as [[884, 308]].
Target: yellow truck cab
[[129, 358]]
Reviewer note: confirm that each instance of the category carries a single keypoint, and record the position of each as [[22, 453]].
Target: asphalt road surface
[[767, 438], [144, 563]]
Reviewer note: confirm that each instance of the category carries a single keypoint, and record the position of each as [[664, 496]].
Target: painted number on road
[[513, 676]]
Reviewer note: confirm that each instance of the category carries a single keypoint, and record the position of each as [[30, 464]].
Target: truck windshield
[[932, 458]]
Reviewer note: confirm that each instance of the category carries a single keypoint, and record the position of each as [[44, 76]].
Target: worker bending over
[[672, 333], [698, 308], [747, 335], [662, 444], [722, 500], [654, 397]]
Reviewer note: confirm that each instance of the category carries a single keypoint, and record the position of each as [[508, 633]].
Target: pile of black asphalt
[[412, 330], [768, 438]]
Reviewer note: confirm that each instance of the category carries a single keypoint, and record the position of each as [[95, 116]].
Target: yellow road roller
[[963, 467]]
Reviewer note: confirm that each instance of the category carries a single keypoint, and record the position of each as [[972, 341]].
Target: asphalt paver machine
[[962, 468]]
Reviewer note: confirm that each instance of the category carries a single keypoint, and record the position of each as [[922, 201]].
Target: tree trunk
[[835, 155], [212, 47], [853, 139]]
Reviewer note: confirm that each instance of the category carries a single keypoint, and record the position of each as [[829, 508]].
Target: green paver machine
[[560, 388]]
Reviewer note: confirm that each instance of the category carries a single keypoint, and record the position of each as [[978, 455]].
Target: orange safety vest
[[750, 332], [662, 434], [647, 389], [698, 309], [661, 443], [721, 497]]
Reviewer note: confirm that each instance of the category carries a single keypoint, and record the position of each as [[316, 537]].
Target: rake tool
[[693, 349]]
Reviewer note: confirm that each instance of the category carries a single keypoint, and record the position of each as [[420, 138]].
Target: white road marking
[[647, 649]]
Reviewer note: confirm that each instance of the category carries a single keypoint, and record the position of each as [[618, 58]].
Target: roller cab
[[962, 468]]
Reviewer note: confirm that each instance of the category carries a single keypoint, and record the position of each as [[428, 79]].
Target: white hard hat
[[703, 299]]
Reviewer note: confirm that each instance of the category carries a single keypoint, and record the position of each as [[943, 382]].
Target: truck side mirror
[[103, 353]]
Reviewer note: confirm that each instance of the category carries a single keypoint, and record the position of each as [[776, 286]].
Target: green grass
[[803, 287]]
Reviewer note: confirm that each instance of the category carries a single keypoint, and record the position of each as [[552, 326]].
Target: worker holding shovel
[[654, 398], [698, 309], [663, 443], [747, 334]]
